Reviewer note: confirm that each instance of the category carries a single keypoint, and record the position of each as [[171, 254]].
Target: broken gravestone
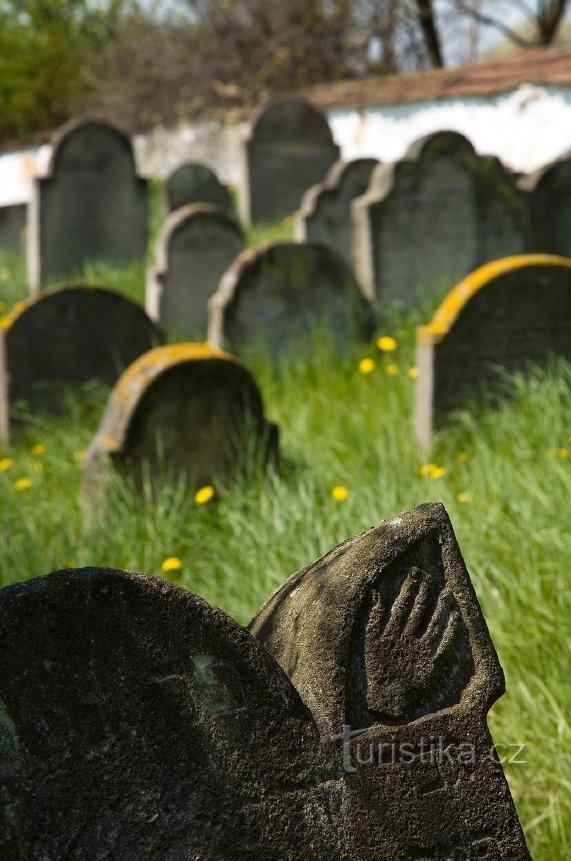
[[136, 718], [507, 315], [430, 219], [63, 337], [181, 411], [385, 641], [193, 182], [90, 206], [325, 212], [289, 148], [196, 246], [276, 297]]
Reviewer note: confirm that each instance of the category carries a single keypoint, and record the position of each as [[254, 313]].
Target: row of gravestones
[[192, 410], [423, 222], [348, 720]]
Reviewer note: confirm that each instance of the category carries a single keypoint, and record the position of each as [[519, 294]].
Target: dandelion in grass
[[392, 370], [413, 372], [171, 563], [386, 344], [22, 484], [339, 493], [463, 497], [558, 452], [427, 468], [5, 463], [38, 449], [432, 470], [366, 366], [204, 495], [438, 472]]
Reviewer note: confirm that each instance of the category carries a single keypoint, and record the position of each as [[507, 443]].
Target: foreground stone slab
[[179, 411], [138, 722], [274, 298], [90, 206], [505, 316], [62, 337], [289, 148], [429, 219], [386, 643], [196, 246], [193, 182]]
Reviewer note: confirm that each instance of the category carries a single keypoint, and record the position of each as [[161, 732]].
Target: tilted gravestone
[[62, 337], [196, 246], [325, 211], [430, 219], [384, 640], [136, 718], [289, 148], [184, 410], [504, 316], [549, 197], [275, 297], [90, 206], [195, 183]]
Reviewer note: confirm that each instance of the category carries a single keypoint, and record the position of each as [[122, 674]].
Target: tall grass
[[505, 481]]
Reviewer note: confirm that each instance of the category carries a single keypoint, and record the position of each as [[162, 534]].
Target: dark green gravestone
[[549, 196], [63, 337], [193, 182]]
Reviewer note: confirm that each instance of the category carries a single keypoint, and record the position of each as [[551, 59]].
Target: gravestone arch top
[[193, 182]]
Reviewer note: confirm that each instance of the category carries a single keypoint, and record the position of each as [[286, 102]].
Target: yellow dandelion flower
[[22, 484], [339, 493], [171, 563], [463, 457], [413, 372], [438, 472], [204, 495], [426, 468], [366, 366], [5, 463], [558, 452], [464, 496], [79, 455], [386, 344], [38, 448], [392, 370]]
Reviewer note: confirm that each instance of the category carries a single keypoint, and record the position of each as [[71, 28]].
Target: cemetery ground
[[348, 460]]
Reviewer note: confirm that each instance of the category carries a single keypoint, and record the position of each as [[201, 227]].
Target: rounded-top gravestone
[[195, 183]]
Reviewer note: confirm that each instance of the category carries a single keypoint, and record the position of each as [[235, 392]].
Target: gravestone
[[179, 411], [137, 721], [12, 227], [549, 196], [63, 337], [196, 246], [289, 148], [90, 206], [273, 299], [195, 183], [504, 316], [430, 219], [325, 212], [384, 640]]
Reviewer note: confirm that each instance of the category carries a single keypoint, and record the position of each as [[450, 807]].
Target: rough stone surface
[[138, 722], [385, 635], [196, 246], [66, 336], [549, 196], [430, 219], [504, 316], [195, 183], [325, 212], [12, 227], [290, 147], [181, 410], [274, 297], [90, 205]]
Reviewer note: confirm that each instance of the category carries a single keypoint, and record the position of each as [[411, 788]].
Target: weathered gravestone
[[90, 206], [62, 337], [184, 410], [195, 183], [290, 147], [384, 640], [428, 220], [549, 197], [504, 316], [325, 212], [139, 720], [196, 246], [275, 297]]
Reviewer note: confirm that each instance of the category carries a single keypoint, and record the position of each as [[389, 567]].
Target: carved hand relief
[[417, 656]]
